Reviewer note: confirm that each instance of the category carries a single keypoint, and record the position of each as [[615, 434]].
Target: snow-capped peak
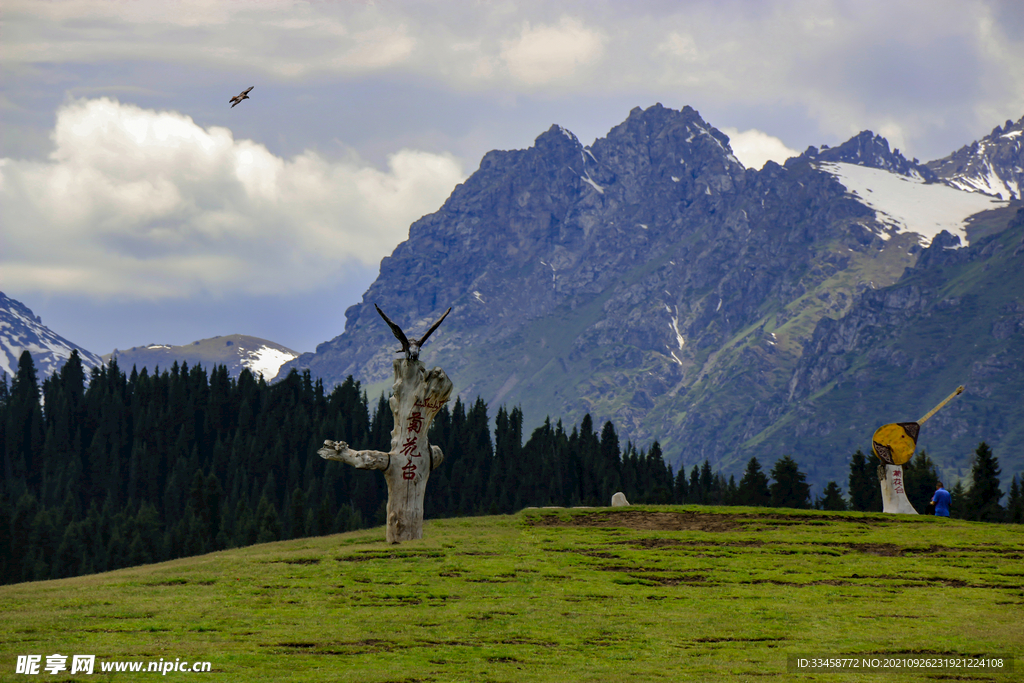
[[993, 165], [236, 351], [21, 330]]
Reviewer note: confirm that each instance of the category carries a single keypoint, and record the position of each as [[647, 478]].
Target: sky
[[137, 206]]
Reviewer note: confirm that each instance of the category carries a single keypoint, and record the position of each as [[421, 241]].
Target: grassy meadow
[[646, 593]]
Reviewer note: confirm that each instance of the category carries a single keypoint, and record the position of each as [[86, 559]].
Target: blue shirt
[[942, 500]]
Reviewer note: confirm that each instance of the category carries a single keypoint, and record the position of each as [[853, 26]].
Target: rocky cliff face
[[648, 279]]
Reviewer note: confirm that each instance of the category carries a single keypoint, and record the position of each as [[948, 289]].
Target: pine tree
[[267, 522], [23, 429], [24, 513], [983, 497], [7, 551], [1015, 504], [753, 488], [707, 481], [610, 463], [865, 491], [919, 478], [694, 493], [296, 520], [958, 501], [789, 488], [832, 498], [661, 484], [681, 491], [731, 491]]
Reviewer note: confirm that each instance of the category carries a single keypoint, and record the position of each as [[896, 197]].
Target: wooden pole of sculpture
[[416, 397]]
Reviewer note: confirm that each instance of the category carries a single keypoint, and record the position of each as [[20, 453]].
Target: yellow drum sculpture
[[894, 443]]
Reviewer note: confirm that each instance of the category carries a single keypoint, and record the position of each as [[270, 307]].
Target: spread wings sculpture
[[411, 347], [244, 95]]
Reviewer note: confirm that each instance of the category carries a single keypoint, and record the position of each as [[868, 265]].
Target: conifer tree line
[[129, 469]]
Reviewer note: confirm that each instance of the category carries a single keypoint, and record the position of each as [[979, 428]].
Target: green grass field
[[646, 593]]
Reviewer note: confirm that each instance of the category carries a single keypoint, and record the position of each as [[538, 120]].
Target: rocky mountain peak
[[648, 279], [993, 165], [871, 150], [571, 270]]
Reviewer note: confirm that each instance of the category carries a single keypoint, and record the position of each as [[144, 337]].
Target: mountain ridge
[[235, 351], [649, 279], [22, 330], [993, 165]]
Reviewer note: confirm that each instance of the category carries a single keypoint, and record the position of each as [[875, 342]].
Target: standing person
[[941, 500]]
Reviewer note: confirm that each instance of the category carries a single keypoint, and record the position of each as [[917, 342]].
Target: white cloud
[[680, 45], [753, 147], [135, 203], [545, 54]]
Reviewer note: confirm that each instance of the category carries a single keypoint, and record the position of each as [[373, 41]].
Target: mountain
[[236, 351], [993, 165], [956, 317], [652, 280], [872, 151], [21, 330]]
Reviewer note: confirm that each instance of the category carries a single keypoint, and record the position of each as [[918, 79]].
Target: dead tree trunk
[[417, 395]]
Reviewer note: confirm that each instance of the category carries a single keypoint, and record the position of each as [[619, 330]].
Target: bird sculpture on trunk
[[410, 347], [244, 95]]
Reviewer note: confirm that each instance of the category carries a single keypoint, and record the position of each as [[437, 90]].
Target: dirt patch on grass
[[674, 542], [356, 647], [297, 560], [880, 549], [643, 520], [367, 555], [737, 640]]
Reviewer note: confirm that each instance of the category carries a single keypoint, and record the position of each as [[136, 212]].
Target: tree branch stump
[[417, 395]]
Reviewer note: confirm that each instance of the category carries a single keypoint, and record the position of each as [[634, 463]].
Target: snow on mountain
[[987, 181], [267, 361], [21, 330], [908, 203], [993, 165]]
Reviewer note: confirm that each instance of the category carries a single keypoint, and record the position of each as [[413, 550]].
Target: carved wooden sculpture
[[417, 395]]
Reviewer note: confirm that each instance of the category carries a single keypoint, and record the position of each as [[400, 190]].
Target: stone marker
[[619, 500]]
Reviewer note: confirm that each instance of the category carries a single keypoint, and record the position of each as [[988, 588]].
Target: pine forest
[[116, 469]]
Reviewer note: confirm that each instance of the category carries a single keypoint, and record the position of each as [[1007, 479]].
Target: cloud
[[141, 204], [942, 77], [545, 54], [753, 147]]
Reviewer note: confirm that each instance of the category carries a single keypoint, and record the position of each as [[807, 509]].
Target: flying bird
[[411, 347], [244, 95]]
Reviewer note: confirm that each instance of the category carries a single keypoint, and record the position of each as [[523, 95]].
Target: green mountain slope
[[956, 318]]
